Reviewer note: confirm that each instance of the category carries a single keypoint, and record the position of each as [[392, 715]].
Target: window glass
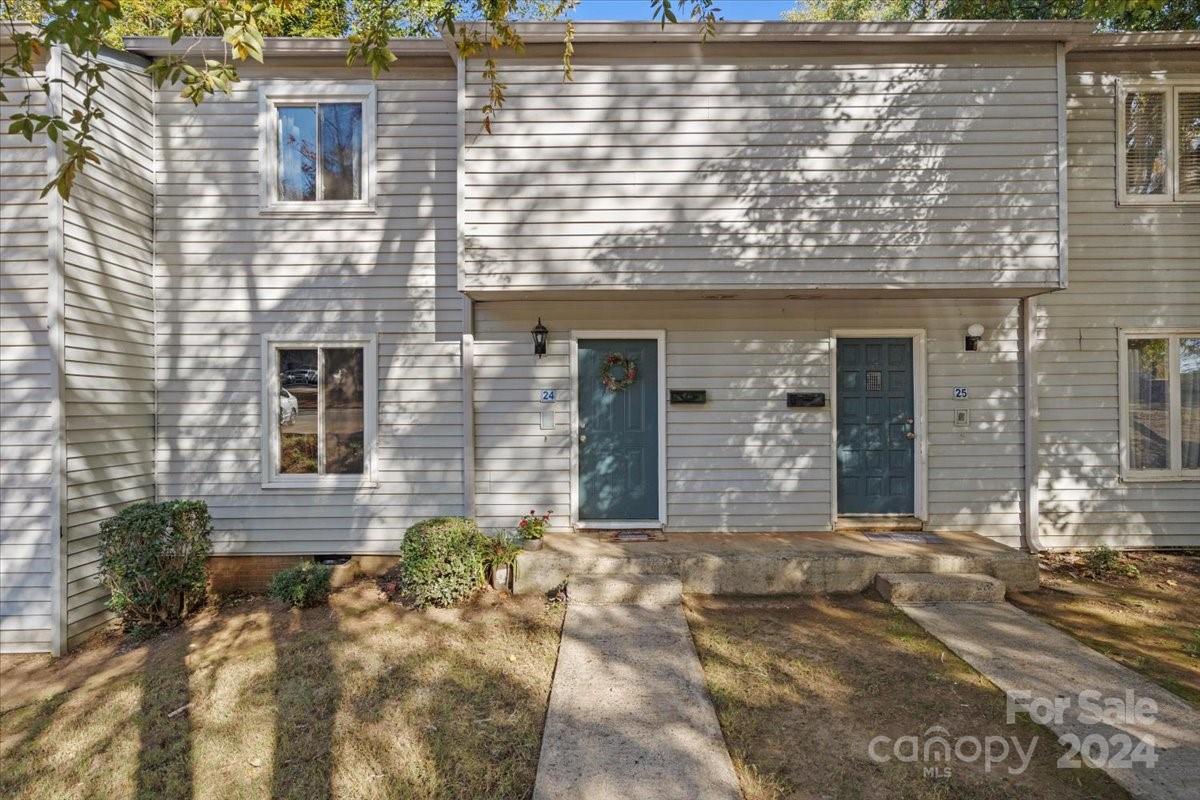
[[320, 152], [1189, 142], [1145, 148], [297, 153], [1189, 396], [342, 388], [341, 151], [1149, 419], [298, 412]]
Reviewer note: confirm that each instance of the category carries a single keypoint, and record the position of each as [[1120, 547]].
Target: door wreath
[[628, 375]]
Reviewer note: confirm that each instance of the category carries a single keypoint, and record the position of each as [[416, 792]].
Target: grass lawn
[[1149, 623], [360, 699], [802, 686]]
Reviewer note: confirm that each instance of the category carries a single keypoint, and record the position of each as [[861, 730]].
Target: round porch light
[[974, 334]]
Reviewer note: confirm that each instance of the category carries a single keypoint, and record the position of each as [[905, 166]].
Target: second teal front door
[[618, 430], [875, 426]]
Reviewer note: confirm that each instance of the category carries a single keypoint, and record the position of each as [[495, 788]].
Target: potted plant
[[499, 557], [532, 528]]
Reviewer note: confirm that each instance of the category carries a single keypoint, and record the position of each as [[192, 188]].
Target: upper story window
[[1160, 405], [318, 147], [1159, 157]]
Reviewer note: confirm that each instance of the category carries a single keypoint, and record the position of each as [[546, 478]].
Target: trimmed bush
[[304, 585], [1105, 562], [442, 561], [153, 558]]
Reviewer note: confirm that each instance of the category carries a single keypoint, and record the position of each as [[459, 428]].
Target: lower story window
[[1161, 405], [319, 411]]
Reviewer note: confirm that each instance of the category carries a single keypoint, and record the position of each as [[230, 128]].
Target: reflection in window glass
[[342, 391], [1189, 395], [321, 411], [298, 412], [341, 151], [1149, 393], [1145, 150], [297, 153], [1189, 142]]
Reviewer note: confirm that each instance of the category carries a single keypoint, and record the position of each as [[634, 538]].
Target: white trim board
[[921, 443], [660, 336]]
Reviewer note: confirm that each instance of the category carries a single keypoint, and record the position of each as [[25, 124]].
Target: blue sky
[[640, 9]]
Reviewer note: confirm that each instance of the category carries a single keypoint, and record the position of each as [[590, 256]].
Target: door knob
[[910, 435], [583, 437]]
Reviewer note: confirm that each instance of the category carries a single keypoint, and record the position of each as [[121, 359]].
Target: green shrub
[[441, 561], [1102, 562], [304, 585], [153, 558]]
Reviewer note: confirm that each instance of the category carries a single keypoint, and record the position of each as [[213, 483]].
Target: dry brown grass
[[801, 686], [1149, 623], [362, 699]]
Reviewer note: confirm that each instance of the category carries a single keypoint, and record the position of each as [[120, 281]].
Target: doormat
[[915, 538], [634, 536]]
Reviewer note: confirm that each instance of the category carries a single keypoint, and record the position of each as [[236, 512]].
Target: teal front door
[[618, 432], [875, 430]]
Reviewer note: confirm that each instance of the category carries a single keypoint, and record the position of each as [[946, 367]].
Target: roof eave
[[277, 47], [923, 31], [651, 32], [1148, 40]]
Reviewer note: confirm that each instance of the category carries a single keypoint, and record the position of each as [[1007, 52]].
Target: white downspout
[[1032, 503]]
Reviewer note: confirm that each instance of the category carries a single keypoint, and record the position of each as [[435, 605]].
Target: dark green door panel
[[875, 448], [618, 434]]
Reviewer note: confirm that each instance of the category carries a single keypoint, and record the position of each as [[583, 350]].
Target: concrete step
[[923, 588], [889, 524], [638, 590]]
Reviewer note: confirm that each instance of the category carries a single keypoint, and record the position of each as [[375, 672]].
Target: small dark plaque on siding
[[689, 396], [806, 399]]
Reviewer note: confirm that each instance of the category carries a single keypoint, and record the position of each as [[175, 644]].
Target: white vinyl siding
[[108, 374], [27, 535], [744, 461], [227, 276], [1131, 267], [766, 168]]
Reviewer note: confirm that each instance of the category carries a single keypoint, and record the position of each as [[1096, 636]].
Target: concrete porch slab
[[771, 563]]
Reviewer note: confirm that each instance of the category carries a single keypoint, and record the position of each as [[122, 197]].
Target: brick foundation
[[252, 574]]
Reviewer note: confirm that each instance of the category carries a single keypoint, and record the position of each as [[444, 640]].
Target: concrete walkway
[[1021, 654], [629, 716]]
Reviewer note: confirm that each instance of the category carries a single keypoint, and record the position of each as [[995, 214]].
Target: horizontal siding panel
[[744, 462], [668, 175], [26, 399], [109, 326], [226, 275], [1130, 267]]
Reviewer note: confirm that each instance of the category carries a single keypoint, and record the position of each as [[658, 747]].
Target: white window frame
[[1170, 89], [273, 95], [271, 477], [1174, 470]]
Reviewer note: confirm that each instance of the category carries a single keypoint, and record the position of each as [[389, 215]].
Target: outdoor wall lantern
[[539, 338], [974, 334]]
